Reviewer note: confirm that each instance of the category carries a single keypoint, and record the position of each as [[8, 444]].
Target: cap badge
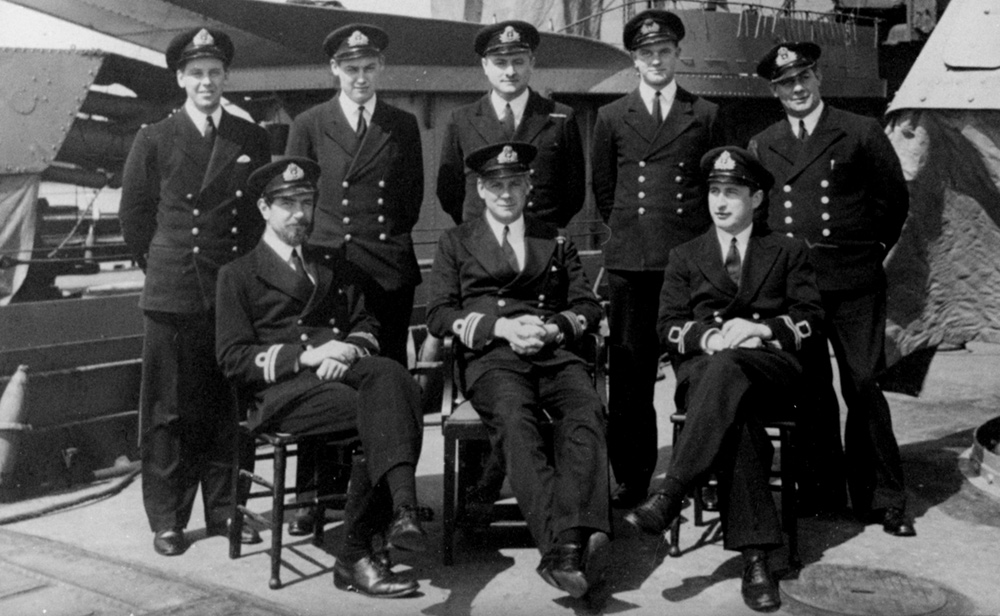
[[510, 35], [357, 39], [786, 56], [203, 38], [293, 173], [507, 156], [724, 162], [649, 27]]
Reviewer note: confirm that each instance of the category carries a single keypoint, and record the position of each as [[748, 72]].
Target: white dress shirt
[[517, 106], [667, 95], [350, 109], [284, 251], [515, 235], [811, 121], [201, 119]]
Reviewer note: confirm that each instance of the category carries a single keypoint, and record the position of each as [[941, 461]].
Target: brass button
[[235, 249], [825, 183], [194, 231], [195, 250], [344, 202], [299, 322], [336, 331], [680, 210], [642, 163], [788, 220], [501, 302], [234, 230], [381, 201], [347, 220], [541, 297], [381, 218], [381, 236], [381, 183], [678, 179], [680, 196], [788, 204], [787, 188], [642, 195], [826, 233], [347, 237], [642, 178], [345, 184], [239, 193], [304, 337], [235, 211], [195, 212], [824, 199], [642, 211], [825, 216], [790, 234], [333, 321]]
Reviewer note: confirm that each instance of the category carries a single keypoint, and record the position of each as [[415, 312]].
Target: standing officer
[[512, 111], [184, 214], [372, 183], [839, 186], [647, 185]]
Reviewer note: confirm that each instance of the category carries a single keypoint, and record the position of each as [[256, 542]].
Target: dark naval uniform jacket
[[369, 194], [269, 315], [843, 193], [558, 177], [183, 209], [646, 180], [472, 286], [777, 288]]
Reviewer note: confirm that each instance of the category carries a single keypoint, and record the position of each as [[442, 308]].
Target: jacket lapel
[[824, 136], [757, 264], [680, 116], [537, 251], [638, 119], [536, 117], [485, 122], [710, 263], [274, 272], [483, 246], [187, 136], [228, 145], [338, 128], [377, 136], [323, 277]]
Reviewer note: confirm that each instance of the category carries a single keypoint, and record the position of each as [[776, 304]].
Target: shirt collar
[[350, 108], [742, 238], [201, 119], [517, 105], [516, 228], [667, 94], [283, 250], [811, 120]]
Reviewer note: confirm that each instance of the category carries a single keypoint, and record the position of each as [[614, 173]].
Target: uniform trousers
[[559, 488], [855, 324], [393, 310], [187, 422], [633, 364], [728, 396], [378, 398]]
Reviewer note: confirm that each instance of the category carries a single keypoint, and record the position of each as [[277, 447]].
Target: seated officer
[[736, 307], [513, 293], [293, 332]]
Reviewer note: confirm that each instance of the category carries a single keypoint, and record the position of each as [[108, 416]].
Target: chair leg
[[241, 487], [277, 514], [675, 538], [448, 521], [789, 497]]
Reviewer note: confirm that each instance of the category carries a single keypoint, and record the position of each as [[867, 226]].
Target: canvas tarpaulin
[[944, 275], [18, 194]]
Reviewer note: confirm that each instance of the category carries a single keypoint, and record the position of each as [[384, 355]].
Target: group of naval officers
[[292, 281]]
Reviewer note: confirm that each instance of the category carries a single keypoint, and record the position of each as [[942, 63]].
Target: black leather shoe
[[656, 514], [301, 525], [405, 532], [544, 568], [895, 522], [760, 590], [248, 536], [368, 577], [570, 562], [627, 497], [169, 542]]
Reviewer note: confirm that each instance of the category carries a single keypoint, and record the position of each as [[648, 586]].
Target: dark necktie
[[362, 127], [657, 110], [733, 263], [508, 250], [210, 130], [803, 133], [508, 121], [299, 267]]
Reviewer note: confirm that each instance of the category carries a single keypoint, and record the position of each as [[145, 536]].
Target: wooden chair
[[783, 481], [279, 447], [466, 440]]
